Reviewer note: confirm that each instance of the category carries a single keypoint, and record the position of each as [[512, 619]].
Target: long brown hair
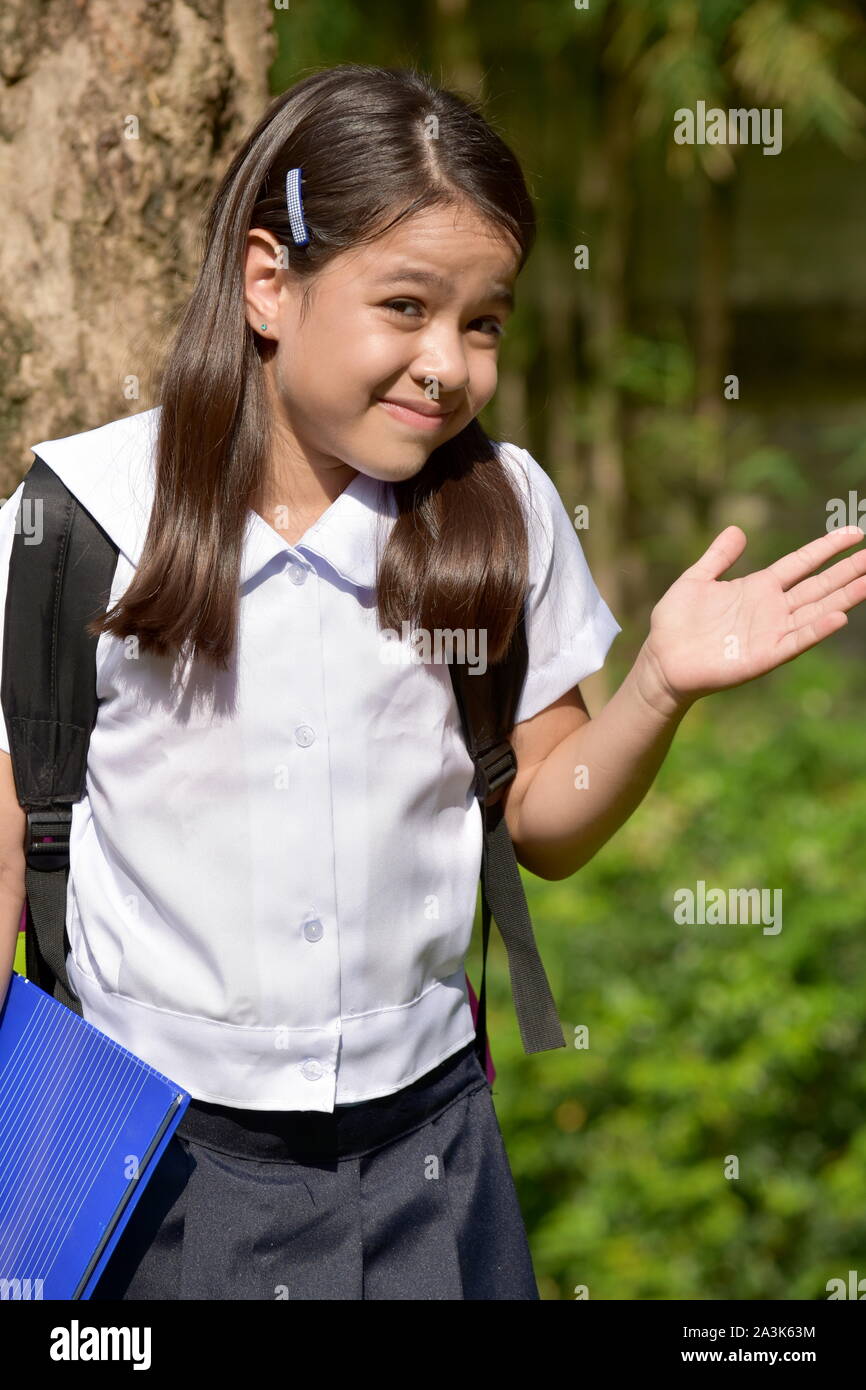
[[457, 552]]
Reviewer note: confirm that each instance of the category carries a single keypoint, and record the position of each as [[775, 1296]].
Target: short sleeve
[[569, 627], [8, 515]]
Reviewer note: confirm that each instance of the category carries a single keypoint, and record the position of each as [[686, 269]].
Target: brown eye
[[498, 329], [391, 306]]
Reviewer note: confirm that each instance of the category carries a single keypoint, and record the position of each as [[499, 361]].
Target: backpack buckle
[[494, 769], [46, 839]]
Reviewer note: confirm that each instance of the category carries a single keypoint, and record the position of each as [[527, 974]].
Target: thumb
[[723, 552]]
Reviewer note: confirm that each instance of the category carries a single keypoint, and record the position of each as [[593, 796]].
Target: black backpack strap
[[487, 704], [60, 576]]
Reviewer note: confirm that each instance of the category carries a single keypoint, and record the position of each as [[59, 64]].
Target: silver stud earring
[[264, 326]]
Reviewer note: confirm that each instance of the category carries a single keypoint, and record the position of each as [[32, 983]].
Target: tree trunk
[[713, 331], [116, 129], [558, 293], [607, 192]]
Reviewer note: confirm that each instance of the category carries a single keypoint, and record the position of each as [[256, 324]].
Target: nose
[[441, 360]]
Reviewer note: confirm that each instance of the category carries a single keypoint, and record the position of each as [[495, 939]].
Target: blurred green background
[[703, 261]]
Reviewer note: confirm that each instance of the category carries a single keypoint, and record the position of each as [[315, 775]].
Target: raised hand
[[709, 634]]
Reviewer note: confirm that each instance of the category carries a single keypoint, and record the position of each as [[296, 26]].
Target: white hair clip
[[295, 207]]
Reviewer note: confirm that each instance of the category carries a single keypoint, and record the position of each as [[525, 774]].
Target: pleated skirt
[[408, 1196]]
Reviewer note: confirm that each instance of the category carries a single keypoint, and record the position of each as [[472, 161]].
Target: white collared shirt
[[274, 870]]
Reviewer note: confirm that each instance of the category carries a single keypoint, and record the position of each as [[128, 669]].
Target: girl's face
[[414, 317]]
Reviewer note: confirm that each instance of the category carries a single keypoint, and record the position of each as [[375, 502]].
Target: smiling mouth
[[415, 418]]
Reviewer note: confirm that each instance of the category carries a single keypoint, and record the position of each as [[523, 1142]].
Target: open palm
[[709, 634]]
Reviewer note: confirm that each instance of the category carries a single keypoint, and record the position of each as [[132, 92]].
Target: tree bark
[[607, 193], [713, 330], [117, 122]]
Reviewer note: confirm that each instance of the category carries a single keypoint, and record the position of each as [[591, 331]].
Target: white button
[[304, 735], [296, 572], [312, 1069], [313, 930]]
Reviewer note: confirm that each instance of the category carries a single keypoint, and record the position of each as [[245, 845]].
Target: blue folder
[[83, 1124]]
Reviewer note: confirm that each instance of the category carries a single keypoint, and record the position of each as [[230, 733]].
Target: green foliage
[[767, 52], [771, 470], [656, 369], [706, 1041]]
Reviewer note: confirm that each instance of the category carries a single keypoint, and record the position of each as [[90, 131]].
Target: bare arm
[[591, 781], [706, 635]]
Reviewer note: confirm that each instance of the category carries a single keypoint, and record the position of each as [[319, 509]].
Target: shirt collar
[[110, 470]]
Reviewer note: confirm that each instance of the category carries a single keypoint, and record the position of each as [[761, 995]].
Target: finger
[[720, 555], [801, 639], [828, 582], [841, 600], [800, 563], [809, 635]]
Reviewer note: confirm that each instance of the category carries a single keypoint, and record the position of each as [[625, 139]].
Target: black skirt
[[408, 1196]]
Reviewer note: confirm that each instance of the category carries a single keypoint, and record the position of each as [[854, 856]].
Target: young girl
[[273, 874]]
